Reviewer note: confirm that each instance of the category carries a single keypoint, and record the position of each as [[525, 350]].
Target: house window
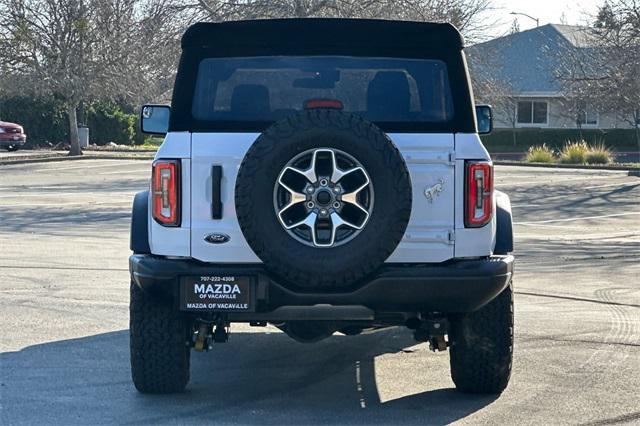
[[532, 112], [587, 115]]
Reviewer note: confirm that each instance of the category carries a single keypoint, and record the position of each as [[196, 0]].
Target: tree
[[469, 16], [493, 87], [126, 50], [617, 28], [83, 50], [605, 71]]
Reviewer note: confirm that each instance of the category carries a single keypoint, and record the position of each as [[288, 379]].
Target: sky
[[573, 12]]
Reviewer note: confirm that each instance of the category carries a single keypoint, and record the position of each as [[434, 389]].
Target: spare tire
[[323, 198]]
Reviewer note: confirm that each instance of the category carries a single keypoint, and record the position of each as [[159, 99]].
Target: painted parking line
[[92, 165], [145, 170], [580, 237], [58, 195], [612, 184], [572, 219], [62, 204], [552, 180]]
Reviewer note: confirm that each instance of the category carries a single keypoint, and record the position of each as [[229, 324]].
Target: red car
[[12, 136]]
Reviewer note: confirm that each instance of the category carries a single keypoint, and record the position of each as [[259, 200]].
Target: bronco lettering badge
[[217, 293]]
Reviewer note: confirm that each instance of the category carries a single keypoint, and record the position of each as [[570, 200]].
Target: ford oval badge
[[217, 238]]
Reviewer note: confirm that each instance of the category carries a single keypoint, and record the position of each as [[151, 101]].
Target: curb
[[5, 162], [619, 168], [633, 171], [129, 151]]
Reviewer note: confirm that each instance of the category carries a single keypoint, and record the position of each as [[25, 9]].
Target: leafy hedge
[[45, 121], [108, 123], [501, 140]]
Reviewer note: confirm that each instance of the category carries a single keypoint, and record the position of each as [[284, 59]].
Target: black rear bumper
[[453, 287]]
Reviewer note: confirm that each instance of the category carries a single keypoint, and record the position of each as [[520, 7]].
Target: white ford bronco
[[322, 176]]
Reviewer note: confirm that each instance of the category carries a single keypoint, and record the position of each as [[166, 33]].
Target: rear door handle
[[216, 192]]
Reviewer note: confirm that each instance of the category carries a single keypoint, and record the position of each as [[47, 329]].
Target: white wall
[[559, 116]]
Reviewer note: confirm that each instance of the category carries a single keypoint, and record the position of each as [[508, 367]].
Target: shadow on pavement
[[264, 378]]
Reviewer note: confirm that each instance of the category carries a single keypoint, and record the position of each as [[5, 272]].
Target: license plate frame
[[218, 293]]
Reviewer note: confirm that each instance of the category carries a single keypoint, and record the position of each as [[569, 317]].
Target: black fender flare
[[139, 240], [504, 224]]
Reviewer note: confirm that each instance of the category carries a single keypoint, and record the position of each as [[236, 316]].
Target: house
[[529, 67]]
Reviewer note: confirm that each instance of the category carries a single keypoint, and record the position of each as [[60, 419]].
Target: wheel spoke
[[308, 174], [338, 221], [311, 174], [296, 198], [310, 221], [352, 197], [357, 205], [339, 174]]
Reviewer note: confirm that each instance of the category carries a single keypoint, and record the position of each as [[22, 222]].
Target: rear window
[[264, 89]]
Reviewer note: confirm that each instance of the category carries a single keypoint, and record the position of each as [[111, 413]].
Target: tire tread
[[158, 336], [482, 346]]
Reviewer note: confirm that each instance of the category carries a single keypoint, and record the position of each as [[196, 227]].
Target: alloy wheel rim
[[323, 197]]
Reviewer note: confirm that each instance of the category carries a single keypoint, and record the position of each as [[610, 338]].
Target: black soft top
[[272, 35], [322, 36]]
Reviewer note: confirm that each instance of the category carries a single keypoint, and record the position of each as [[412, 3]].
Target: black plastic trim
[[308, 313], [456, 286], [504, 224], [139, 237], [216, 192]]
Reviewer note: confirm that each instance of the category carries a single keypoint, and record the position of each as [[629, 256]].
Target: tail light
[[166, 192], [478, 193]]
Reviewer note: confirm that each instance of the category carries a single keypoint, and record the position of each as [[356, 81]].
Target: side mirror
[[484, 117], [154, 119]]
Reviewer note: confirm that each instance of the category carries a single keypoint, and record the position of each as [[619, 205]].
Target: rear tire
[[158, 342], [12, 148], [482, 346]]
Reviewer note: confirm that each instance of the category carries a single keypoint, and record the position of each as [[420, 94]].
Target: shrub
[[108, 123], [151, 142], [599, 154], [574, 152], [44, 120], [540, 154], [501, 140]]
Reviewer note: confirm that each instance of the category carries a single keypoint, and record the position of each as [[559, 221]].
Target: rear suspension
[[208, 332], [432, 328]]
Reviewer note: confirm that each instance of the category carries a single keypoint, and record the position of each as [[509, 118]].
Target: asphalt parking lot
[[64, 303]]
